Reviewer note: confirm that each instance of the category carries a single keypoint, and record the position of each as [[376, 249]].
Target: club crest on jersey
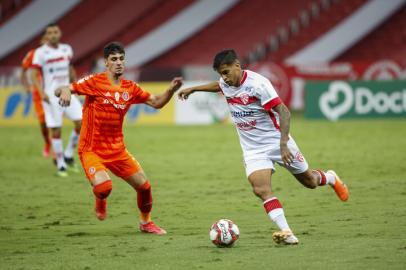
[[244, 98], [299, 157], [126, 96], [92, 170], [117, 96]]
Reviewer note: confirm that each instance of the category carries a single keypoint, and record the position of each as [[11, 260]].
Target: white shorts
[[267, 159], [54, 112]]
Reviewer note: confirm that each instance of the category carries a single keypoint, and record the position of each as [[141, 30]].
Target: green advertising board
[[336, 100]]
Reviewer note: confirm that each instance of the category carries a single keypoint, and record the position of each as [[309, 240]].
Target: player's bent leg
[[309, 179], [102, 187], [313, 178], [261, 184], [141, 184]]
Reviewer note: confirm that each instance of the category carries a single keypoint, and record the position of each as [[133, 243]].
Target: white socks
[[57, 147], [275, 212], [73, 141]]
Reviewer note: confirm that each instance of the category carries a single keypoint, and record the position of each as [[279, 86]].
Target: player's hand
[[45, 98], [64, 97], [287, 156], [184, 94], [176, 83]]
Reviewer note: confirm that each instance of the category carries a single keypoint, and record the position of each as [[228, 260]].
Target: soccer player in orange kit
[[101, 144], [30, 88]]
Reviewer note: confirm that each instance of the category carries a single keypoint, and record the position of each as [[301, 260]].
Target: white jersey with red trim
[[54, 64], [251, 106]]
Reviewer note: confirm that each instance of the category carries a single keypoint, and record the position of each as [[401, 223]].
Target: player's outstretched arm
[[64, 93], [284, 121], [210, 87], [159, 101]]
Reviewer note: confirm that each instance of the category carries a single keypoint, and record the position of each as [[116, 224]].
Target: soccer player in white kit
[[53, 60], [262, 122]]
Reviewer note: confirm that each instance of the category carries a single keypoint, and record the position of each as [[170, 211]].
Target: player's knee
[[103, 190], [262, 191]]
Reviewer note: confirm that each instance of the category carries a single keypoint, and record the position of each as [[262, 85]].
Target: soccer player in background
[[101, 145], [262, 122], [53, 61], [30, 88]]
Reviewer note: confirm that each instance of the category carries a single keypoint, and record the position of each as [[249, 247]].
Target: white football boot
[[285, 237]]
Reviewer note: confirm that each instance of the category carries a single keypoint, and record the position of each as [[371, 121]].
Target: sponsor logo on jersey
[[120, 106], [242, 114], [247, 125], [58, 59]]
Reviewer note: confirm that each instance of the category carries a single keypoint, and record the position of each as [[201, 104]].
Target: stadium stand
[[347, 33], [28, 24], [173, 32], [8, 8], [282, 30], [387, 41], [243, 25]]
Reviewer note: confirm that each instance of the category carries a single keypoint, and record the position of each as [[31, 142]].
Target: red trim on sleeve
[[273, 118], [272, 103]]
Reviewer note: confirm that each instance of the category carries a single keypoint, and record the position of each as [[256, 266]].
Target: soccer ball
[[224, 233]]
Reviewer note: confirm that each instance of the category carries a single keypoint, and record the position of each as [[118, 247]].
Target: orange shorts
[[122, 164], [38, 106]]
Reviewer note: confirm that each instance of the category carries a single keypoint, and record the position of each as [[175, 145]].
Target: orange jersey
[[103, 112], [27, 62]]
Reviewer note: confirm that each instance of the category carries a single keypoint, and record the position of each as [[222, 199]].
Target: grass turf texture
[[197, 177]]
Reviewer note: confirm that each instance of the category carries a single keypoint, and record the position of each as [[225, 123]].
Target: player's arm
[[35, 75], [210, 87], [24, 81], [64, 93], [72, 74], [159, 101], [284, 121]]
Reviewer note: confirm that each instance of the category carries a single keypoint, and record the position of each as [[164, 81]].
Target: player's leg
[[314, 178], [101, 182], [53, 119], [142, 186], [41, 118], [57, 146], [259, 174], [126, 167], [73, 112]]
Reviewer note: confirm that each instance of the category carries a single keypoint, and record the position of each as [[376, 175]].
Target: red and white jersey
[[54, 64], [251, 106]]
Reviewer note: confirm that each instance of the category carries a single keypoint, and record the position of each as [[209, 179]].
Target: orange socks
[[144, 201], [103, 190]]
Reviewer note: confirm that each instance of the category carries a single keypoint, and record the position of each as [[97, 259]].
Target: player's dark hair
[[226, 57], [50, 25], [112, 48]]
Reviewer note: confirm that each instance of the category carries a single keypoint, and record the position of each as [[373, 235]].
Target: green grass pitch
[[197, 177]]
